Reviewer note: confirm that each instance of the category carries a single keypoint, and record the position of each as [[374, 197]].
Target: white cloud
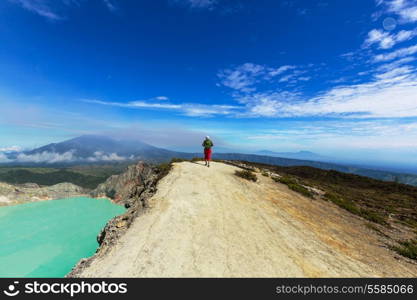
[[395, 64], [395, 54], [69, 156], [101, 156], [3, 158], [278, 71], [265, 107], [46, 157], [396, 72], [295, 76], [143, 104], [267, 104], [386, 40], [348, 55], [302, 11], [48, 8], [137, 104], [197, 4], [188, 109], [10, 149], [162, 98], [202, 3], [391, 95], [201, 110], [405, 9], [40, 7], [341, 79], [243, 77], [110, 5]]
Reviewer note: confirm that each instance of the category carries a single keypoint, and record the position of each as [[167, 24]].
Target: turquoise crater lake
[[46, 239]]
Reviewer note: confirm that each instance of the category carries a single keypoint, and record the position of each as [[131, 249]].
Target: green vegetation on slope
[[354, 209], [246, 174], [294, 185], [407, 248]]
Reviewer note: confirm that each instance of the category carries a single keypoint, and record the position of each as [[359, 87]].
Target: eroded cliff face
[[132, 189], [127, 188]]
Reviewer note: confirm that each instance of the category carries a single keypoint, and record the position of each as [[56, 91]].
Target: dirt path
[[206, 222]]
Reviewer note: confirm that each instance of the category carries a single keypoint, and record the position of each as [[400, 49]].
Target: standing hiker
[[207, 144]]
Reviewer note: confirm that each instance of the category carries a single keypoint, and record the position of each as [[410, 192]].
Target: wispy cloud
[[10, 149], [40, 7], [245, 77], [49, 8], [386, 40], [188, 109], [402, 52], [197, 4], [66, 157], [110, 5], [278, 71], [4, 158], [302, 11], [101, 156], [162, 98], [295, 77], [406, 10], [391, 94], [136, 104], [46, 157], [395, 64]]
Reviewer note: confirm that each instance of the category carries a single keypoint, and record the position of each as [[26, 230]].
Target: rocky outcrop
[[31, 192], [127, 188], [132, 189]]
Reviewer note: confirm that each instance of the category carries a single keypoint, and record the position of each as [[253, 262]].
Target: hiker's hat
[[207, 137]]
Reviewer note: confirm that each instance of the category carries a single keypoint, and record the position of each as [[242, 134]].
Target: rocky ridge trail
[[207, 222]]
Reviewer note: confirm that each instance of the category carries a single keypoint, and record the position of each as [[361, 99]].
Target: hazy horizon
[[401, 166]]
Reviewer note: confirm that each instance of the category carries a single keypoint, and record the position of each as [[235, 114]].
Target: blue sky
[[335, 77]]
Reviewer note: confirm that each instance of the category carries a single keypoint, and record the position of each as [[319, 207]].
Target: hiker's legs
[[208, 157]]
